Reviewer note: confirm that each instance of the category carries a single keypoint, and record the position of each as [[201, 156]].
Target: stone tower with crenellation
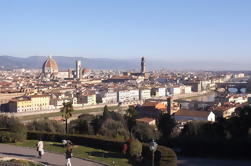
[[143, 65]]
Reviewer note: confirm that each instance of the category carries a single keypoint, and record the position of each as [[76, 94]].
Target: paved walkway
[[50, 159]]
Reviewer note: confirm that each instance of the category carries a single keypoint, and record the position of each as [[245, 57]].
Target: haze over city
[[184, 34]]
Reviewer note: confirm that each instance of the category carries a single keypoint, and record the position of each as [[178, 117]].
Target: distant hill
[[36, 62]]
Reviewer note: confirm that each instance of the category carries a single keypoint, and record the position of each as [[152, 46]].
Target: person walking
[[68, 153], [40, 148]]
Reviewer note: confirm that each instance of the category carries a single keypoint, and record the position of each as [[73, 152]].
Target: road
[[50, 159], [211, 162]]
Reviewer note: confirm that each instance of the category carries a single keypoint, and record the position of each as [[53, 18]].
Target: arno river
[[207, 98], [210, 97]]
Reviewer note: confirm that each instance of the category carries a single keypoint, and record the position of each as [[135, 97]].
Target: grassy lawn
[[55, 114], [102, 156]]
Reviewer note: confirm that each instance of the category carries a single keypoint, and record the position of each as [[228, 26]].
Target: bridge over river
[[236, 85]]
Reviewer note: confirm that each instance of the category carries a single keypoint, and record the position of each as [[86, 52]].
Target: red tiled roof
[[150, 104], [192, 113], [146, 120]]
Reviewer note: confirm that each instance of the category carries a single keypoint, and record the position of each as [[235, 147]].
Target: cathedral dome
[[85, 70], [50, 66]]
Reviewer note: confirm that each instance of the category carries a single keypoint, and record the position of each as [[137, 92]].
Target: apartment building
[[30, 103], [106, 97], [144, 94]]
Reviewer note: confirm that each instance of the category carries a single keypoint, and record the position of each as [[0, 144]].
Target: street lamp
[[153, 147]]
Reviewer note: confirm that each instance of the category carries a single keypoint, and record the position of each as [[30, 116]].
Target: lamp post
[[153, 147]]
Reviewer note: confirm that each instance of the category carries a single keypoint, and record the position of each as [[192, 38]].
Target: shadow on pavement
[[46, 163]]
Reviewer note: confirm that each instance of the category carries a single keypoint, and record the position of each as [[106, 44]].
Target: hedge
[[85, 140], [11, 137]]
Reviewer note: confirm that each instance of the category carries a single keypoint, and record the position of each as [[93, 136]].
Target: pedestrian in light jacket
[[40, 148]]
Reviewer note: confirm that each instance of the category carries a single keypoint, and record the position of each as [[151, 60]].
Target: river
[[206, 98], [211, 96]]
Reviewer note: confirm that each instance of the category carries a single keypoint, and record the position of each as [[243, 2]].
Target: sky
[[177, 30]]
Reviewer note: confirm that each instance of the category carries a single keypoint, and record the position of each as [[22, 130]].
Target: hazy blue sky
[[178, 30]]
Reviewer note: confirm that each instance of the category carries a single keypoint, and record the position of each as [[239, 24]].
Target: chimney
[[169, 105]]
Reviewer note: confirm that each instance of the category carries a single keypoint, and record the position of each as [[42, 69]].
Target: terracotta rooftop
[[36, 95], [146, 120], [150, 104], [192, 113]]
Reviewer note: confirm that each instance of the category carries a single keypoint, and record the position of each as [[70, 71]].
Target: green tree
[[106, 113], [166, 125], [144, 132], [66, 111], [113, 129], [80, 126], [193, 129], [46, 125], [239, 125], [131, 114]]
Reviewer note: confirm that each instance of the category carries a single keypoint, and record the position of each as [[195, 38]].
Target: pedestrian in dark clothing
[[68, 153]]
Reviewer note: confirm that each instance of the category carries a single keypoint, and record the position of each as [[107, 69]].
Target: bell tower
[[143, 65]]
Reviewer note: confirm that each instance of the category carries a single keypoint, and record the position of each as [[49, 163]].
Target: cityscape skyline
[[183, 31]]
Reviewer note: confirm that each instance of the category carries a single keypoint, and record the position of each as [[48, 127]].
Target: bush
[[11, 137], [8, 137], [135, 148], [163, 156], [46, 126]]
